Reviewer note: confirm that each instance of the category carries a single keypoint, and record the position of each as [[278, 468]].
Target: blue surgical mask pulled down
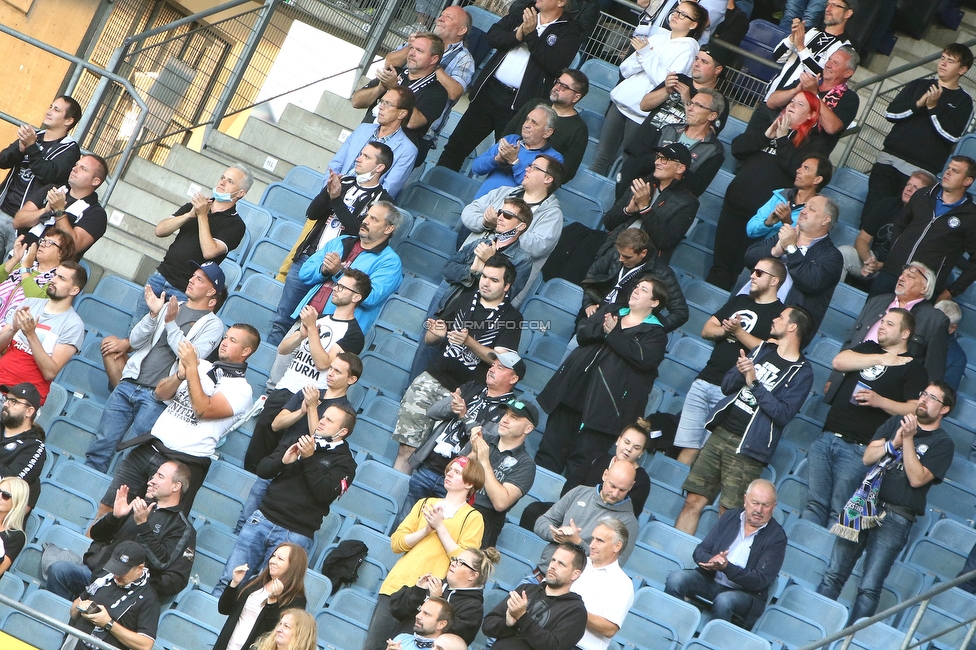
[[222, 197]]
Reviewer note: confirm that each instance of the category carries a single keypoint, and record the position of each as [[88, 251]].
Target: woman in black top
[[254, 609], [629, 448], [13, 510]]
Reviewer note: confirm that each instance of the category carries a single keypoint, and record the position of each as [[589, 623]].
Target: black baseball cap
[[25, 391], [524, 409], [719, 54], [675, 151], [126, 556]]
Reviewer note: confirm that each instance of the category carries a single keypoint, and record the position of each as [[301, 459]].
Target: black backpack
[[341, 565]]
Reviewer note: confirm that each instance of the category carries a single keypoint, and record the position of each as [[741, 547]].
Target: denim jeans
[[811, 11], [699, 402], [881, 546], [158, 284], [257, 541], [254, 499], [292, 293], [423, 483], [835, 469], [130, 408], [67, 579], [726, 602]]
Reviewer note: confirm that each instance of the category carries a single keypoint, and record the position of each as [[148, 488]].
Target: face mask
[[364, 178], [221, 197]]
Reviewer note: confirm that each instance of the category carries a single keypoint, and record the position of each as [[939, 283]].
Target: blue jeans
[[699, 402], [423, 483], [67, 579], [254, 499], [811, 11], [727, 603], [881, 546], [130, 408], [158, 284], [292, 293], [257, 541], [835, 469]]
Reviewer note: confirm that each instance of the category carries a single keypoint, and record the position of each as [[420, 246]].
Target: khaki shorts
[[719, 468], [413, 425]]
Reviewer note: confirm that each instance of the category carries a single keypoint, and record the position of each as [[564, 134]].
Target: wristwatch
[[791, 249], [109, 625]]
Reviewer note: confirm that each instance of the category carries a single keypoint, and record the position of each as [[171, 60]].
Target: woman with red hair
[[766, 162]]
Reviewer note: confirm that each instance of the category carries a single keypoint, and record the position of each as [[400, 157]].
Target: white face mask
[[365, 178]]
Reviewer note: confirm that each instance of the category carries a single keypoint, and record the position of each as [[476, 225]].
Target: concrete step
[[223, 148], [120, 253], [282, 144], [141, 211], [313, 127], [173, 183], [339, 109]]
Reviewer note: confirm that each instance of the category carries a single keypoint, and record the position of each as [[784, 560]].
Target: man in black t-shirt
[[910, 453], [73, 208], [741, 324], [420, 75], [880, 380], [206, 230], [466, 332]]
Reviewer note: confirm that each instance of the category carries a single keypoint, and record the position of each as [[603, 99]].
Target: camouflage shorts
[[719, 467], [413, 425]]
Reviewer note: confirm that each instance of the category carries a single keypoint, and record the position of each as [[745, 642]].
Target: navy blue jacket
[[765, 558], [776, 408]]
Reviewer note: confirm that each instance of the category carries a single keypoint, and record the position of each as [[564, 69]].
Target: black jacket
[[609, 376], [168, 539], [936, 242], [52, 167], [549, 54], [301, 493], [563, 622], [765, 558], [231, 603], [707, 156], [666, 220], [324, 206], [602, 277], [468, 605], [23, 456]]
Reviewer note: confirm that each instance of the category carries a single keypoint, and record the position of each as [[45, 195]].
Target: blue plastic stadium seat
[[667, 502], [421, 261], [257, 219], [239, 308], [596, 100], [451, 182], [217, 506], [369, 506], [120, 292], [305, 180], [285, 201], [791, 493], [593, 185], [338, 632], [680, 617], [179, 630], [600, 73], [82, 478], [691, 260], [102, 315], [594, 124], [262, 288], [232, 273], [432, 203], [232, 480], [780, 625], [266, 257], [285, 232], [669, 540], [579, 207], [436, 235], [201, 607], [726, 636]]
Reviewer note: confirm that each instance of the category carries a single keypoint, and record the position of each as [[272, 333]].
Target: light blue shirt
[[404, 155]]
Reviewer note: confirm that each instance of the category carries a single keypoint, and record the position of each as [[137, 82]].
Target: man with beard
[[22, 443], [906, 456], [546, 616], [156, 522], [880, 379], [433, 618], [741, 324], [41, 336]]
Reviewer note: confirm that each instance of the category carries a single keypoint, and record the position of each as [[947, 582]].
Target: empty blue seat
[[683, 618], [874, 637], [691, 260], [596, 100], [285, 201], [305, 180], [561, 292], [579, 207], [417, 290], [807, 602], [285, 231], [354, 604], [432, 203], [781, 625], [453, 183], [71, 507], [944, 611], [263, 288], [257, 219], [375, 438], [206, 570], [103, 316], [667, 502], [120, 292], [702, 234], [651, 566], [201, 607], [215, 539], [217, 506], [692, 352], [726, 636], [232, 480], [811, 537], [265, 257], [318, 589], [953, 500], [32, 631], [435, 235], [850, 209], [179, 630], [232, 273], [851, 181], [936, 558], [521, 542], [667, 470], [593, 185], [382, 478], [81, 477], [421, 260], [382, 410], [669, 540], [239, 308], [594, 125], [370, 507], [791, 493], [57, 398], [338, 632], [676, 374], [555, 319], [65, 436], [325, 536], [600, 73]]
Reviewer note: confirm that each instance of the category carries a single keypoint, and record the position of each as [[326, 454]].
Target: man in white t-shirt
[[204, 400], [308, 357], [606, 590]]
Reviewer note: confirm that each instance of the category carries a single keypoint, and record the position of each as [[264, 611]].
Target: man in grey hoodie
[[573, 518]]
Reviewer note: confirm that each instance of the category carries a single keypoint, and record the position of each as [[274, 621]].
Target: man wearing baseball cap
[[660, 201], [21, 442], [137, 364], [119, 607]]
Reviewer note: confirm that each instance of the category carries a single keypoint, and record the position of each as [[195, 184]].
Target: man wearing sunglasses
[[21, 443], [73, 208]]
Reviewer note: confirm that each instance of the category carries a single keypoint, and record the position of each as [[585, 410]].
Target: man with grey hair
[[506, 161], [813, 263], [607, 591], [207, 229], [738, 561], [369, 251], [930, 341], [955, 357]]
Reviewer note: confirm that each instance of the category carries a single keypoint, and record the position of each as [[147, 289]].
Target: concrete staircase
[[149, 192]]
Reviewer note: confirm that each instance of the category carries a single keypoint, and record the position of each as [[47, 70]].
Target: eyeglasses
[[6, 496], [537, 168], [682, 15], [388, 103], [457, 560], [760, 272], [559, 85], [663, 158], [837, 5], [692, 102], [911, 271], [929, 396], [44, 242], [339, 288]]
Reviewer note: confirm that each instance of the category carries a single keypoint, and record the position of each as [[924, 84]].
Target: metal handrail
[[105, 74], [849, 632], [55, 623]]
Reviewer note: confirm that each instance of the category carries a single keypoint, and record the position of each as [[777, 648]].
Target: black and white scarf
[[486, 338]]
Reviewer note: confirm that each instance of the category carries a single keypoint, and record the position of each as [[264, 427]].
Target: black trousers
[[883, 181], [490, 112], [265, 440], [566, 445], [727, 258]]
